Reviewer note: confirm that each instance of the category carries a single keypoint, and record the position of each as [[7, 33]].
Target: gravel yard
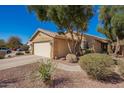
[[25, 76], [66, 62]]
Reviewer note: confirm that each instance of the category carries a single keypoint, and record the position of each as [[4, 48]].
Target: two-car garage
[[42, 49]]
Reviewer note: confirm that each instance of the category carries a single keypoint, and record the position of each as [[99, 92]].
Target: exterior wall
[[90, 41], [97, 47], [61, 47], [41, 37], [93, 44]]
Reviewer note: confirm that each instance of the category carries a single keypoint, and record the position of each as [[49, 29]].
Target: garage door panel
[[42, 49]]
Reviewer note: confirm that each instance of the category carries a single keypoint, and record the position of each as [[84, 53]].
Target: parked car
[[6, 50]]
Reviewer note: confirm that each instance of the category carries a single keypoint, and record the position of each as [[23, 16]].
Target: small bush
[[87, 51], [98, 66], [71, 58], [2, 55], [121, 67], [46, 70], [19, 53]]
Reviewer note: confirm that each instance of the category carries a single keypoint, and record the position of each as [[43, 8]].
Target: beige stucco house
[[53, 45]]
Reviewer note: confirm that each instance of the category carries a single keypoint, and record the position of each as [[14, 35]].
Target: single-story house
[[53, 45]]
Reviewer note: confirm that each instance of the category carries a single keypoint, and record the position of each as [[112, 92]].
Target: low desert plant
[[89, 50], [98, 66], [71, 58], [120, 65], [2, 55], [46, 70]]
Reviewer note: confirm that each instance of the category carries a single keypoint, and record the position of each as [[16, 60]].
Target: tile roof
[[66, 36], [52, 34]]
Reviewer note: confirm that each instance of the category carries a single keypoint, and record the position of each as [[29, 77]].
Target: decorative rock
[[71, 58]]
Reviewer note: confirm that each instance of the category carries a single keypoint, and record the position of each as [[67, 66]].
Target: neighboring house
[[53, 45]]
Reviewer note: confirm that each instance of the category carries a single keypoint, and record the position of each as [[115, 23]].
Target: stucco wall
[[97, 47], [41, 37], [92, 43], [61, 47]]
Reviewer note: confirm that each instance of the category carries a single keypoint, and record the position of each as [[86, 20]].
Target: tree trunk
[[78, 45], [75, 45], [73, 41], [68, 43], [109, 49], [117, 47], [69, 47]]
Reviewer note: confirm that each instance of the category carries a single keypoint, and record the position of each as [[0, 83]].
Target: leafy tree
[[14, 42], [73, 19], [118, 25], [112, 24], [2, 43], [105, 22], [118, 28]]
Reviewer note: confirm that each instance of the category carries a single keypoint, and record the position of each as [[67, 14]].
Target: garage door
[[42, 49]]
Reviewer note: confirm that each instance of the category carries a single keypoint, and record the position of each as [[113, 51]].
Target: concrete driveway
[[18, 61], [23, 60]]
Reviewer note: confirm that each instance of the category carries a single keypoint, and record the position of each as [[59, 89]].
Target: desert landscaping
[[62, 47], [27, 77]]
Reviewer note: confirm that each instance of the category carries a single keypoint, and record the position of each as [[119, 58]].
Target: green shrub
[[87, 51], [98, 66], [19, 53], [2, 55], [121, 67], [46, 70]]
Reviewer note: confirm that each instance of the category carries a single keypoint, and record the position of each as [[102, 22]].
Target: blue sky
[[17, 21]]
